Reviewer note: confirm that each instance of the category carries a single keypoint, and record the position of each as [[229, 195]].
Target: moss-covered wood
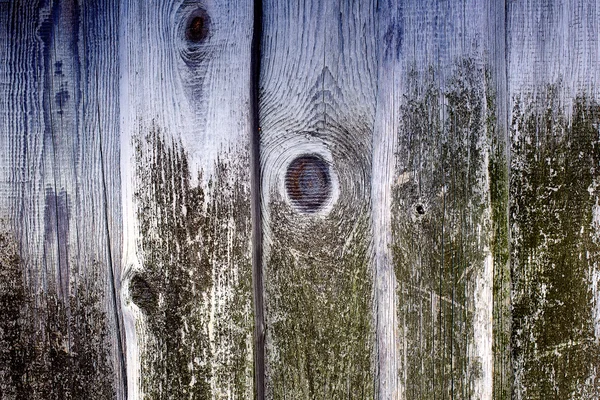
[[498, 171], [195, 285], [552, 54], [555, 249], [449, 210], [442, 232], [51, 349], [319, 307], [318, 84], [185, 99]]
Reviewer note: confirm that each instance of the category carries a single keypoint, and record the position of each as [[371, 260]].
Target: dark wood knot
[[142, 294], [308, 183], [198, 26]]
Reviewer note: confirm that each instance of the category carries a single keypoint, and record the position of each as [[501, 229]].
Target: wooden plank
[[448, 210], [61, 337], [318, 80], [185, 164], [553, 75]]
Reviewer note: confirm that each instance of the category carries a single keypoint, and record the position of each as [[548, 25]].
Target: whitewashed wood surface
[[445, 240]]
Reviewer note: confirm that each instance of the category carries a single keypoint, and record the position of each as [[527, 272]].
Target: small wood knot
[[308, 183], [142, 294], [420, 209], [197, 26]]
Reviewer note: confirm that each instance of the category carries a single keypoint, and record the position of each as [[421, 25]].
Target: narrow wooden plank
[[318, 81], [185, 163], [553, 76], [385, 135], [62, 338], [498, 171], [446, 218]]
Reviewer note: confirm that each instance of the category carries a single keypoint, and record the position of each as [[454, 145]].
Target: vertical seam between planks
[[113, 285], [256, 217]]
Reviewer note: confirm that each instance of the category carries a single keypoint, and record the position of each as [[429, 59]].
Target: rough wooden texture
[[317, 97], [185, 165], [60, 335], [425, 190], [554, 67], [448, 211], [389, 32]]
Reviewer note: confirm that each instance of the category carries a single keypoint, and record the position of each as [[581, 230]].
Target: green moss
[[319, 306], [440, 229], [49, 349], [191, 243], [554, 172]]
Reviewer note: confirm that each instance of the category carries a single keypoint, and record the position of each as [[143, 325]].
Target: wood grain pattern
[[553, 73], [60, 331], [185, 165], [411, 186], [317, 97], [442, 219]]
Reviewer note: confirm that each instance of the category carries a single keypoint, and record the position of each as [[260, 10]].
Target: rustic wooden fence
[[299, 200]]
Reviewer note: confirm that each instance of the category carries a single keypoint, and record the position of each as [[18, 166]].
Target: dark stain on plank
[[188, 248], [438, 253], [60, 98], [553, 190], [56, 235], [46, 354]]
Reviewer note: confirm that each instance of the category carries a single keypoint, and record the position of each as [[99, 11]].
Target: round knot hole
[[308, 182], [197, 26]]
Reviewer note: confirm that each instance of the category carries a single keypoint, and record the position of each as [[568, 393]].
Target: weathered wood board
[[316, 116], [553, 75], [408, 189], [60, 335], [447, 213], [186, 195]]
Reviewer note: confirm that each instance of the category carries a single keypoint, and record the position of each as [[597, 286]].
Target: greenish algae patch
[[498, 175], [441, 231], [319, 311], [554, 177], [195, 288], [46, 351]]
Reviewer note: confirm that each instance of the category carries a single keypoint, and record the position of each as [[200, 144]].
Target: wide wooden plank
[[318, 82], [60, 334], [448, 199], [553, 81], [185, 108]]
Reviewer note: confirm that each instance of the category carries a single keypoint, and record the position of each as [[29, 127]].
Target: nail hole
[[308, 183], [197, 26], [142, 294], [420, 209]]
